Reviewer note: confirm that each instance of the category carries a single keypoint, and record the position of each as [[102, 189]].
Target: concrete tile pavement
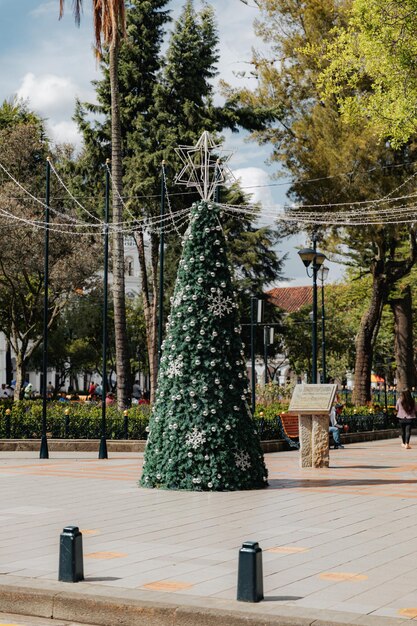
[[342, 540]]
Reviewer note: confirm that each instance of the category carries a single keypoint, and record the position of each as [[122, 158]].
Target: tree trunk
[[403, 340], [20, 374], [149, 284], [365, 341], [9, 364], [119, 302]]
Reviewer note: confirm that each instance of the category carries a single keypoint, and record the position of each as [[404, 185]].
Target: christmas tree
[[201, 432]]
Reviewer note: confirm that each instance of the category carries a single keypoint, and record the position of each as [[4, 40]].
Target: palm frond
[[77, 6], [109, 18]]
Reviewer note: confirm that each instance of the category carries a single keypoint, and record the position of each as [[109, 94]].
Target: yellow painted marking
[[411, 612], [90, 531], [166, 585], [287, 549], [105, 555], [342, 576]]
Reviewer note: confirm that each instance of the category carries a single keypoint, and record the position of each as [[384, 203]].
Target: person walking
[[406, 413]]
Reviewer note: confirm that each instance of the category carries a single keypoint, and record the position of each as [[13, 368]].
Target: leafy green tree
[[202, 435], [72, 259], [75, 346], [329, 160], [14, 111], [75, 340], [377, 47]]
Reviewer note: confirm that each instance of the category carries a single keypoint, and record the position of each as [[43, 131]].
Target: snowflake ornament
[[177, 299], [242, 460], [219, 305], [175, 368], [195, 438]]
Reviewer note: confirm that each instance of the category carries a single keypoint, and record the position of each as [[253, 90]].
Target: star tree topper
[[205, 165]]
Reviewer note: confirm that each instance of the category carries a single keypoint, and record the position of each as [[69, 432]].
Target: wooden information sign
[[312, 399]]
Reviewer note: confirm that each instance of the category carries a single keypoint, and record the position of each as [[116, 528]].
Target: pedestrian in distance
[[406, 414], [136, 390], [335, 427], [92, 390], [28, 391], [110, 399], [10, 391], [144, 398]]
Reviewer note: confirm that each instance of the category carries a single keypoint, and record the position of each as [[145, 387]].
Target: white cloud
[[255, 181], [64, 132], [47, 93]]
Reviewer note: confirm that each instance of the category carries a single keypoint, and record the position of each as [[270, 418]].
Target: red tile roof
[[290, 299]]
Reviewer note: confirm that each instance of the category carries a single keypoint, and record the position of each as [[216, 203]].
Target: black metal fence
[[69, 425]]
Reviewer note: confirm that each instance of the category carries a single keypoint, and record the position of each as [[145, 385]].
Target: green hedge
[[82, 422]]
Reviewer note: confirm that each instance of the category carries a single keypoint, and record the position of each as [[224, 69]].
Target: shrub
[[83, 420]]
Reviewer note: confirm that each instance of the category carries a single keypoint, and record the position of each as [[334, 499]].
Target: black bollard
[[67, 423], [250, 586], [126, 423], [71, 568], [8, 429]]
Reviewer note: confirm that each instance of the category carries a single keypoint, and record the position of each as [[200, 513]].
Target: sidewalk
[[339, 545]]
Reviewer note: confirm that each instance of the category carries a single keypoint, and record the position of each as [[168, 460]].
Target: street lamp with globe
[[312, 257], [323, 274]]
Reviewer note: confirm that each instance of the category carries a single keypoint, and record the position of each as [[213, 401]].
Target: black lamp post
[[161, 264], [323, 274], [268, 341], [310, 256], [102, 453], [256, 317], [44, 452]]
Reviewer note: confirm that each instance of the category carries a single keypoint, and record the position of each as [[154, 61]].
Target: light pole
[[311, 256], [256, 316], [102, 453], [161, 264], [44, 452], [268, 341], [323, 274]]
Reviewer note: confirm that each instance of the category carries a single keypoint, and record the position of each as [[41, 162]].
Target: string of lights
[[390, 209], [61, 182], [265, 185]]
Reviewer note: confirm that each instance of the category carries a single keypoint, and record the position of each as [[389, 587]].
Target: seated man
[[335, 428]]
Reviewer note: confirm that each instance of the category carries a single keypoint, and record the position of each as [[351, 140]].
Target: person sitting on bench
[[335, 428]]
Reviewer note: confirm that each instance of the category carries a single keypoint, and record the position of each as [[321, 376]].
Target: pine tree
[[202, 435], [166, 101]]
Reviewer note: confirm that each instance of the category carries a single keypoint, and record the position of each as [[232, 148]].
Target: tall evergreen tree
[[202, 435], [166, 101]]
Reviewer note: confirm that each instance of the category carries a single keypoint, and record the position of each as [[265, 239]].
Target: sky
[[50, 63]]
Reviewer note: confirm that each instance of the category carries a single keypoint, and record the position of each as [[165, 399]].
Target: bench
[[288, 426], [76, 398]]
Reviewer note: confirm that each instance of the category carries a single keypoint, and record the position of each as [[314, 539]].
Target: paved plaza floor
[[341, 540]]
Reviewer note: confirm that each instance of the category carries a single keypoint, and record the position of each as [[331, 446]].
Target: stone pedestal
[[314, 440]]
